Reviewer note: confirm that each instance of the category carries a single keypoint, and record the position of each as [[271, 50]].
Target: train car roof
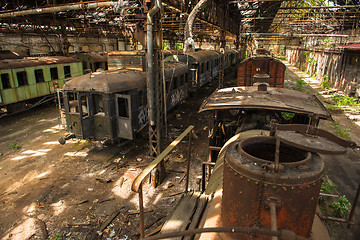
[[174, 68], [96, 57], [261, 57], [122, 53], [107, 81], [194, 57], [35, 61], [277, 99]]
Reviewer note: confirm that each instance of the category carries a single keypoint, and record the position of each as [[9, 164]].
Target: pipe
[[150, 50], [190, 22], [273, 219], [58, 9]]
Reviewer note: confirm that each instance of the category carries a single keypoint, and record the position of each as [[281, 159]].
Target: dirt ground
[[53, 191]]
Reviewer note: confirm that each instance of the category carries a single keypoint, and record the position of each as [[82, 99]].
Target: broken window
[[84, 106], [73, 102], [123, 107], [67, 71], [98, 104], [54, 73], [5, 80], [22, 78], [39, 75]]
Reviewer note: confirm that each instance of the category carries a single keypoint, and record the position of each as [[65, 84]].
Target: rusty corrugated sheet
[[280, 99], [107, 81]]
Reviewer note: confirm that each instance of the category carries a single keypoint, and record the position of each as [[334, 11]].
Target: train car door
[[85, 116], [123, 116]]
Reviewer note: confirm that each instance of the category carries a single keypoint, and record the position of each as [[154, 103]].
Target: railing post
[[141, 213], [188, 163]]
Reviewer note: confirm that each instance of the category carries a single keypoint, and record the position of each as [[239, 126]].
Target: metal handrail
[[138, 182]]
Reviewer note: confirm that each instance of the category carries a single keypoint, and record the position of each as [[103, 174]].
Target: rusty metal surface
[[261, 65], [297, 188], [34, 61], [279, 99], [310, 142], [107, 81]]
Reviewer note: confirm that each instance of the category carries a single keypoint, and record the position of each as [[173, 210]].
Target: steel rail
[[283, 234]]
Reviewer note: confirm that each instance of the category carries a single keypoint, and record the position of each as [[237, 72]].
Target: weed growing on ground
[[341, 132], [339, 101], [341, 207], [300, 83], [328, 186], [14, 145], [326, 83]]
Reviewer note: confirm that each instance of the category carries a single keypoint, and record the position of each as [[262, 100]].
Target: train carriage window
[[73, 102], [84, 106], [54, 73], [207, 66], [123, 107], [22, 78], [67, 71], [39, 75], [97, 104], [5, 80]]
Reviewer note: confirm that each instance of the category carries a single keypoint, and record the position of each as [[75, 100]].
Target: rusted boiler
[[286, 192]]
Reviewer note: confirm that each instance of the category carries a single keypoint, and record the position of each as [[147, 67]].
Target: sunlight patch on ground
[[51, 143], [76, 154], [19, 158], [42, 174], [58, 207], [32, 153], [30, 210], [48, 120], [23, 231], [54, 129]]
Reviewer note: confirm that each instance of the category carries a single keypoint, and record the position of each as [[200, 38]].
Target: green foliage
[[342, 100], [341, 207], [14, 145], [327, 42], [339, 131], [328, 186], [326, 83], [306, 53], [300, 83], [57, 237], [287, 115]]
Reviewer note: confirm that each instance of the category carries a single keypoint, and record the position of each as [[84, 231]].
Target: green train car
[[25, 82]]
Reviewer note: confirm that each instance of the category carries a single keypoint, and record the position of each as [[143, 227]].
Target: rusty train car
[[266, 180], [261, 68]]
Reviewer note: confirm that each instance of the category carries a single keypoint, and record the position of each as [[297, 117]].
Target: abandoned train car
[[28, 81], [203, 66], [92, 61], [261, 68], [110, 105]]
